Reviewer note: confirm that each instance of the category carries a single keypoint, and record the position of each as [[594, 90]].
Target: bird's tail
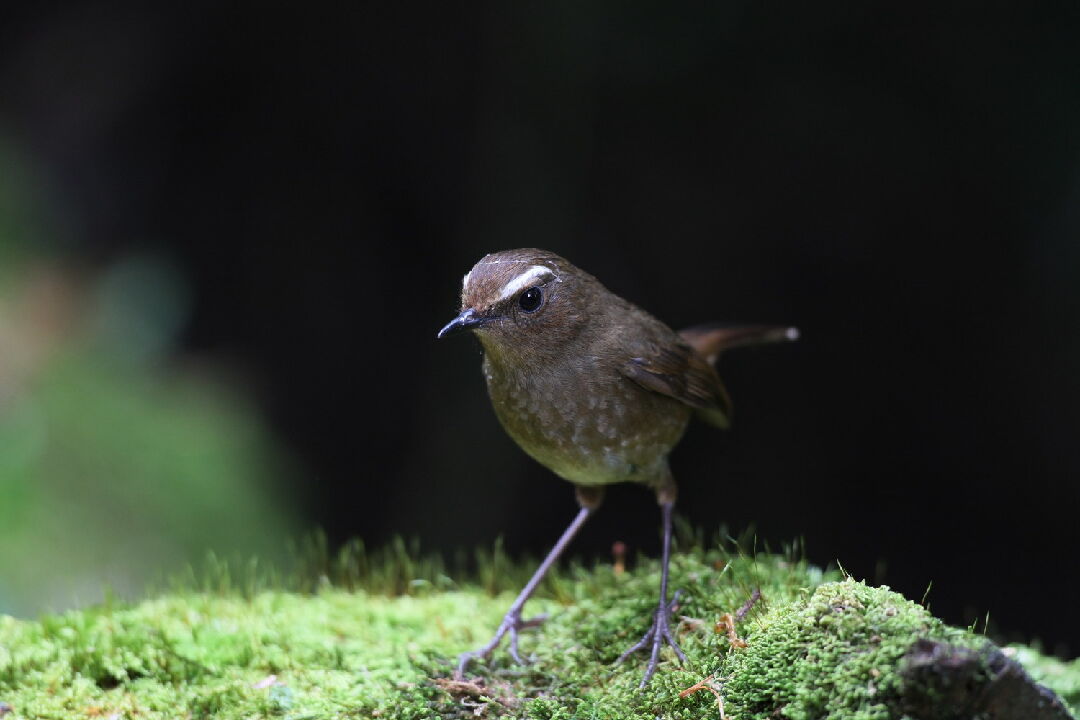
[[711, 340]]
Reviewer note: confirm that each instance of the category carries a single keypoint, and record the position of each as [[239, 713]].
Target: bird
[[598, 391]]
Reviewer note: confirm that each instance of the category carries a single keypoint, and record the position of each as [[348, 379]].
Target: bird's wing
[[678, 371]]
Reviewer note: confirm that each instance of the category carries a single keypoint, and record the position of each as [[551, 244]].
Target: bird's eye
[[531, 299]]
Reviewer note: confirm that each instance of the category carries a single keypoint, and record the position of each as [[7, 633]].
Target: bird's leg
[[512, 621], [660, 632]]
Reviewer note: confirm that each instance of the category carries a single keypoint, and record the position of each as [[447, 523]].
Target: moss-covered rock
[[853, 651], [817, 646]]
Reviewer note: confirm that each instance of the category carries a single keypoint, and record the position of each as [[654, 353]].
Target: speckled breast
[[585, 425]]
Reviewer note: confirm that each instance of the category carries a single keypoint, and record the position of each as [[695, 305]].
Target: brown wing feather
[[678, 371]]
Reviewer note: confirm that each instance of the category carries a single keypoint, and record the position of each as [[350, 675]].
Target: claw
[[512, 622], [657, 636], [514, 646]]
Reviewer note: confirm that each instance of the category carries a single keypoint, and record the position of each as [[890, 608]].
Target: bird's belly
[[631, 459], [592, 438]]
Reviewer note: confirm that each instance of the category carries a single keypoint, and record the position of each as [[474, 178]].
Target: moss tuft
[[833, 654]]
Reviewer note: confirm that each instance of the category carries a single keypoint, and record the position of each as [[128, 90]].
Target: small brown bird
[[595, 389]]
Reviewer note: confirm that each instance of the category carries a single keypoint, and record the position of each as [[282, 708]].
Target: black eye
[[531, 299]]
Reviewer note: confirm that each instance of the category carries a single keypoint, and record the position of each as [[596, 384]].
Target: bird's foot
[[511, 623], [657, 636]]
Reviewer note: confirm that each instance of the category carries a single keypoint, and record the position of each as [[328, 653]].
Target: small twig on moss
[[461, 688], [750, 602], [726, 623], [707, 684], [692, 624], [475, 696], [618, 549]]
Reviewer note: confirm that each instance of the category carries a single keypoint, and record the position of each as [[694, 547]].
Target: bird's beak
[[466, 320]]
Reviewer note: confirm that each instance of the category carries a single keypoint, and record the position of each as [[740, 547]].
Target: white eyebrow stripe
[[526, 278]]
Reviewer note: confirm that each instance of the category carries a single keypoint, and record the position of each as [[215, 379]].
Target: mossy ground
[[819, 646]]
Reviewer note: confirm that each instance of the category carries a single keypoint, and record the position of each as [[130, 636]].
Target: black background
[[901, 181]]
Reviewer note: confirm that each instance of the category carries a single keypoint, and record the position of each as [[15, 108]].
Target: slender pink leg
[[512, 621]]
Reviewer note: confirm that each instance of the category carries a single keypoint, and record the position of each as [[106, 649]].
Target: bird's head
[[524, 301]]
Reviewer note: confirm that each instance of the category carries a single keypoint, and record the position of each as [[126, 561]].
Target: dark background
[[900, 181]]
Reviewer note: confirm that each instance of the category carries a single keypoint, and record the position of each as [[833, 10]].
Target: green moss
[[279, 653], [604, 613], [833, 654], [340, 653]]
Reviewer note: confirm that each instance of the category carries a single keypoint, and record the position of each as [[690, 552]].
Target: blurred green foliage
[[120, 459]]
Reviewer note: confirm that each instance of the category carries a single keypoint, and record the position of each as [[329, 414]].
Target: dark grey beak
[[467, 319]]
